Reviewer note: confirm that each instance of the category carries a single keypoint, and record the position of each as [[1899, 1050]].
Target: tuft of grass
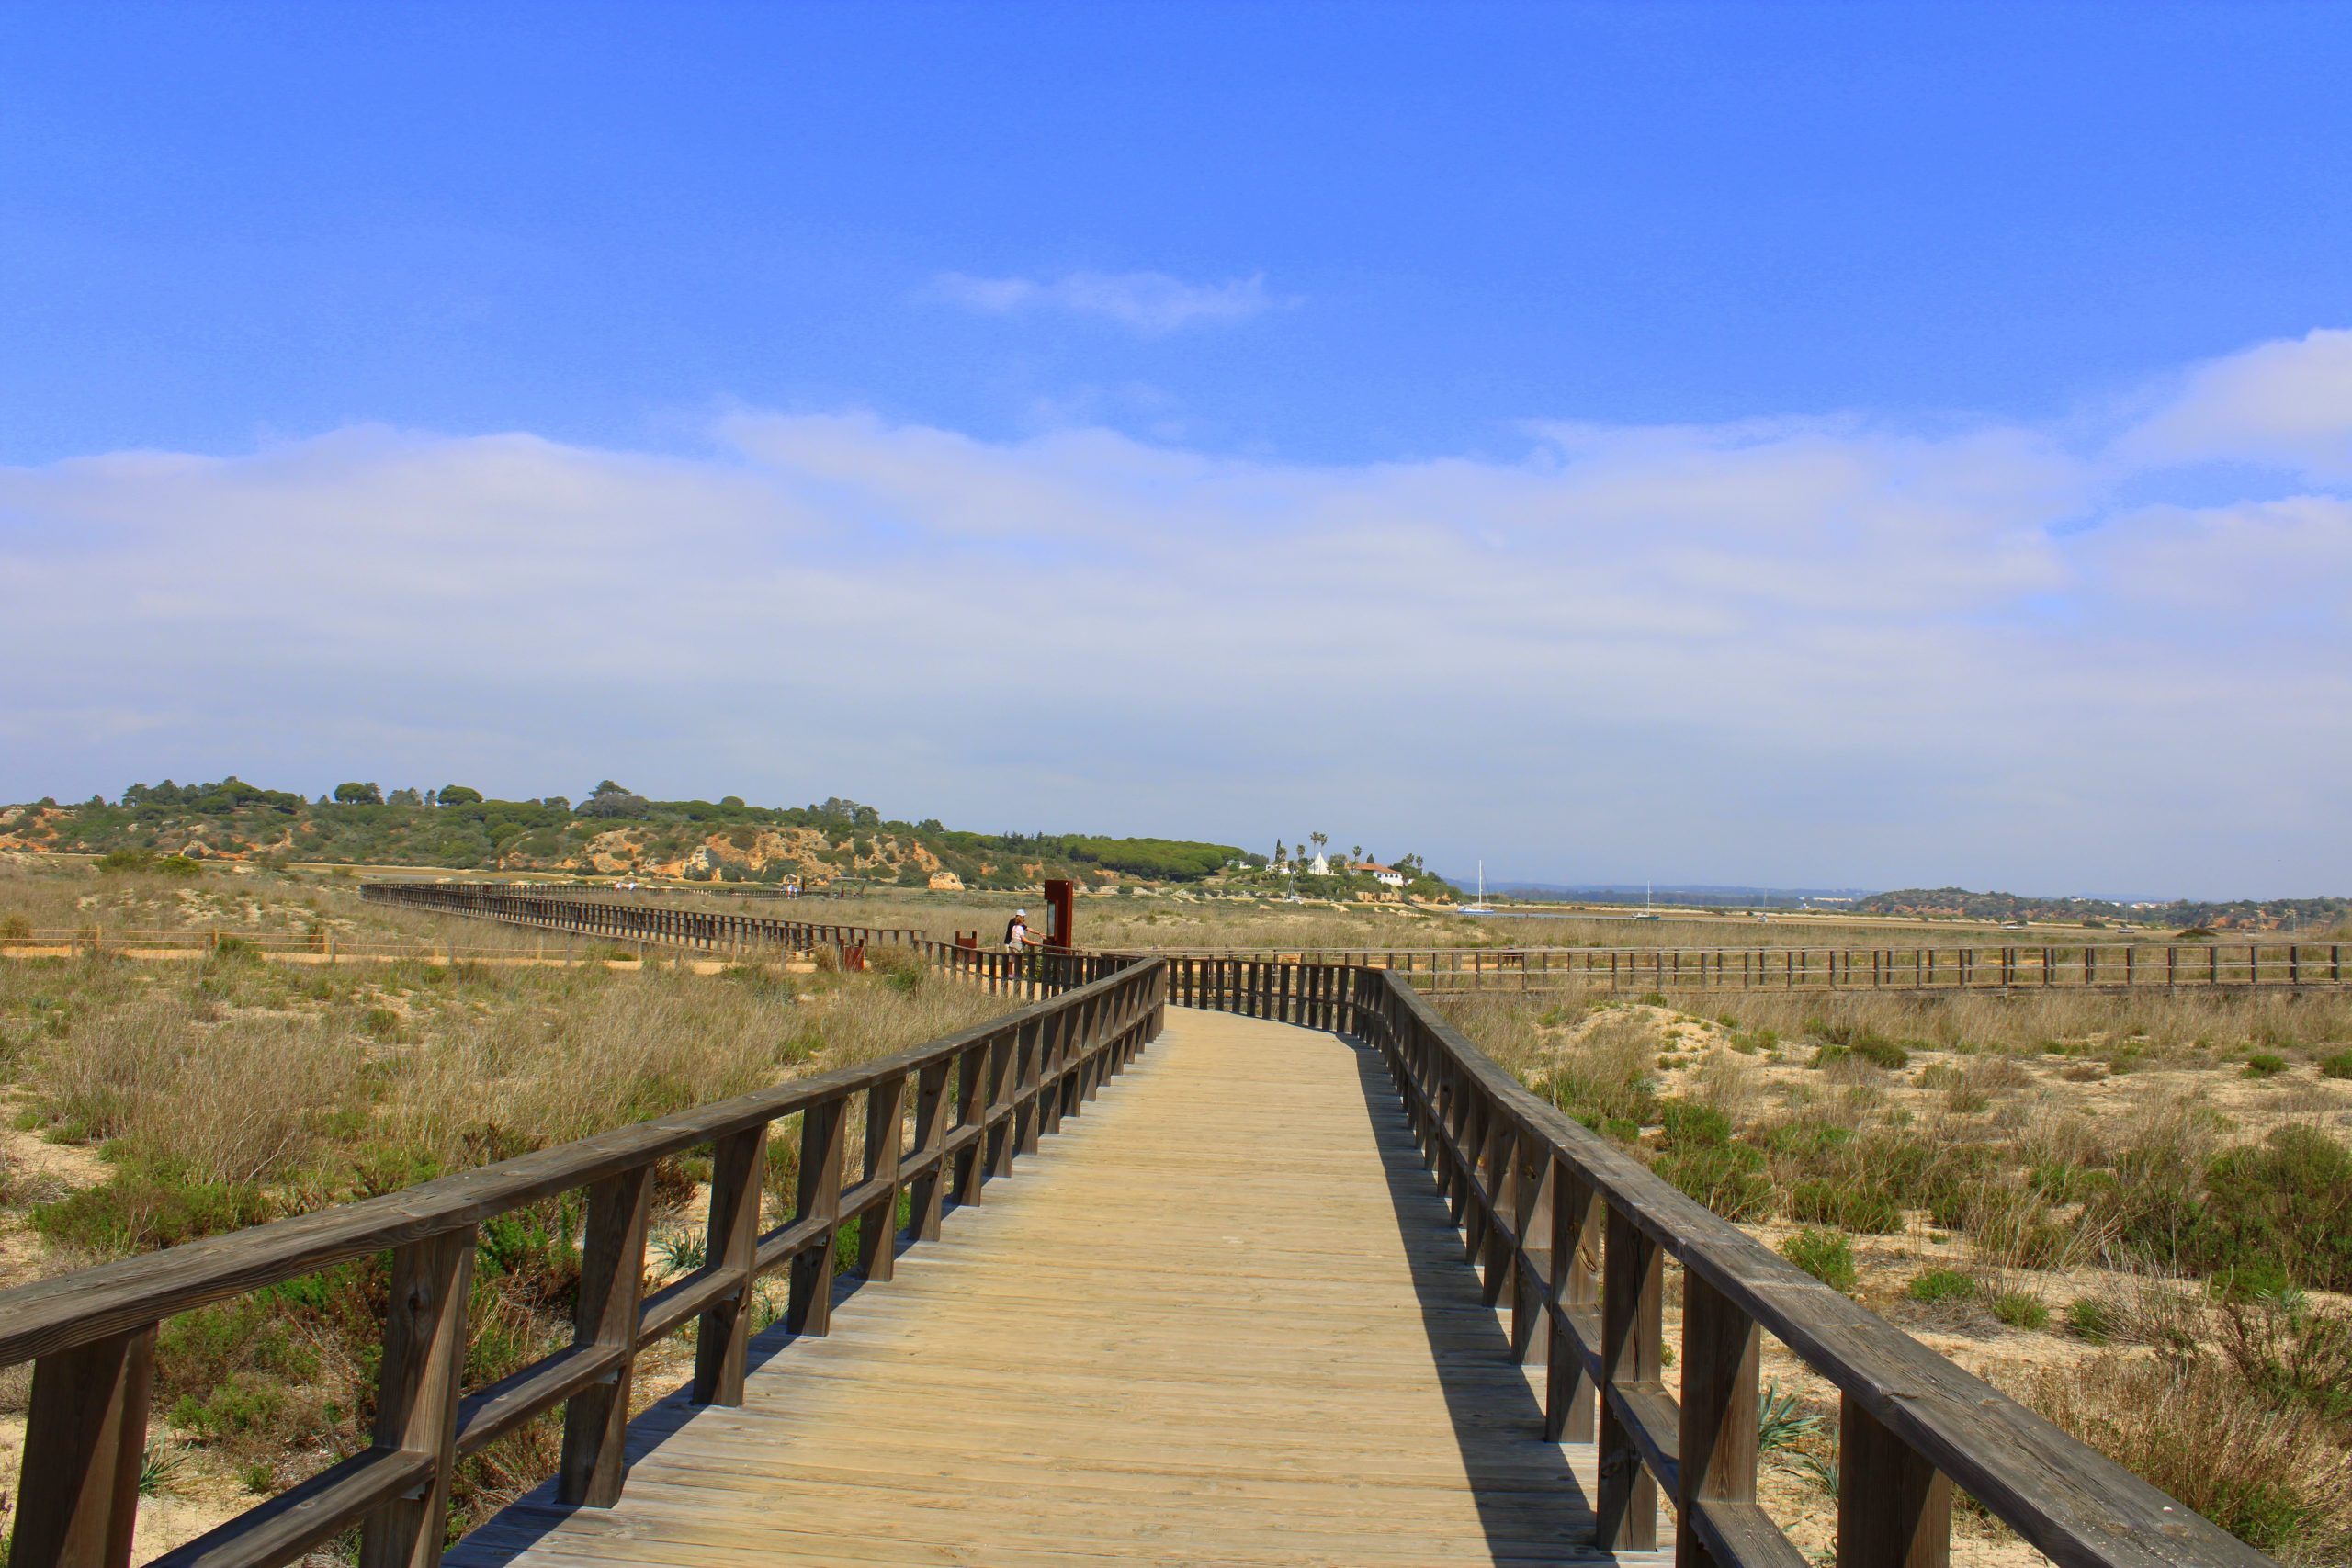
[[1856, 1206], [1939, 1285], [2091, 1320], [159, 1468], [1781, 1421], [681, 1252], [2264, 1065], [1824, 1254], [2337, 1066], [2021, 1309]]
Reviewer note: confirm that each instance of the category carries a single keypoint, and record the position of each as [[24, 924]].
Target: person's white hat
[[1020, 911]]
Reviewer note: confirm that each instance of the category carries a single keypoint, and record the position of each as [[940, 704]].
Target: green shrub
[[2292, 1350], [2338, 1066], [2068, 1183], [2013, 1225], [1653, 999], [2287, 1202], [1806, 1141], [1690, 1124], [1942, 1285], [532, 1253], [1849, 1205], [127, 859], [2021, 1309], [143, 1207], [2264, 1065], [1825, 1254], [1727, 1178], [179, 865], [246, 1404], [2090, 1320]]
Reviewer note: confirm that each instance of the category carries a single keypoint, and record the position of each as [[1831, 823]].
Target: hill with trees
[[2241, 914], [612, 829]]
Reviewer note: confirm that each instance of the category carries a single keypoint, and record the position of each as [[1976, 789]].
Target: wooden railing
[[2099, 966], [1035, 972], [979, 1099], [1572, 1235], [617, 920]]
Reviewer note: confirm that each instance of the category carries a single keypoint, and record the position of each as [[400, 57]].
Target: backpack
[[1008, 926]]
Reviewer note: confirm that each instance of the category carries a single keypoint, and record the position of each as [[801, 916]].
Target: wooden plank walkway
[[1222, 1320]]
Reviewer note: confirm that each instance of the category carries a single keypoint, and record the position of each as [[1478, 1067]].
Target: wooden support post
[[722, 1340], [971, 1111], [1029, 1051], [85, 1434], [877, 1229], [1894, 1508], [930, 1137], [1495, 1257], [1001, 1079], [416, 1393], [1578, 1216], [612, 1290], [810, 1310], [1532, 1221], [1720, 1350], [1630, 1344]]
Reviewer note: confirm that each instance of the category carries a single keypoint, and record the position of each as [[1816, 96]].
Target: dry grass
[[238, 1100], [2278, 1476]]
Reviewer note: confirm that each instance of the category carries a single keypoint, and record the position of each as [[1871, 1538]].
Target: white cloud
[[1151, 303], [1802, 650], [2287, 402]]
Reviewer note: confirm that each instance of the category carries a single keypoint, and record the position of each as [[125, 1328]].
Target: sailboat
[[1480, 907], [1647, 913]]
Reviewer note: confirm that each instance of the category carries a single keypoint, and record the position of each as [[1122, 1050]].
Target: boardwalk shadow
[[1529, 1499]]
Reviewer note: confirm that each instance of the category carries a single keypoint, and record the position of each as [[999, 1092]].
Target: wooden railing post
[[416, 1393], [971, 1113], [612, 1293], [86, 1433], [1497, 1258], [1629, 1333], [877, 1228], [722, 1340], [810, 1308], [1532, 1221], [1003, 1135], [1577, 1218], [1720, 1351], [1894, 1508], [931, 1140]]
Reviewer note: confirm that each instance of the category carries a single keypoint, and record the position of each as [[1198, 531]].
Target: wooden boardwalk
[[1222, 1320]]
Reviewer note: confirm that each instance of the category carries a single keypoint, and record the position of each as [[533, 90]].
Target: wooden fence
[[2099, 966], [979, 1099]]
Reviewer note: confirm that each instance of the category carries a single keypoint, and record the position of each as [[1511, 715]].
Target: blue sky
[[1852, 444]]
